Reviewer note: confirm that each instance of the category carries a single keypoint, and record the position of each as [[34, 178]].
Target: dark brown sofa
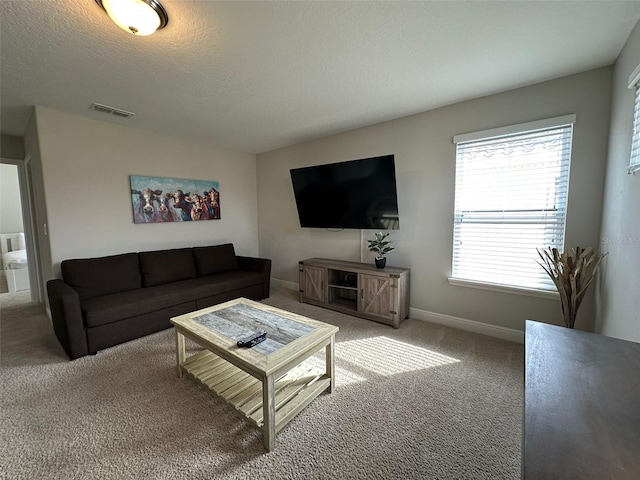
[[102, 302]]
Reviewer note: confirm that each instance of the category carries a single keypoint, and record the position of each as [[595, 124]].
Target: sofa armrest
[[67, 318], [260, 265]]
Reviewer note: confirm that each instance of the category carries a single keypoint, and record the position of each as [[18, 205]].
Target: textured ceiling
[[256, 76]]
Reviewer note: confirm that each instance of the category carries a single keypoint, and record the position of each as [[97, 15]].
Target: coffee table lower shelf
[[293, 391]]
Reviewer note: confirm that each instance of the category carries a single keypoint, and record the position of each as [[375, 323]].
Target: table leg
[[330, 363], [269, 412], [180, 352]]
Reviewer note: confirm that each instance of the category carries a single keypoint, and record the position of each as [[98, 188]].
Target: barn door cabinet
[[356, 288]]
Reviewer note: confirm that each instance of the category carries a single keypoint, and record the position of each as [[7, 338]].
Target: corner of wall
[[617, 301]]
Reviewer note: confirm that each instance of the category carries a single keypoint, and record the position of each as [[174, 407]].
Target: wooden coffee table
[[268, 383]]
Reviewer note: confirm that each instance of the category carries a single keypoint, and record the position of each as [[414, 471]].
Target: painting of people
[[157, 199]]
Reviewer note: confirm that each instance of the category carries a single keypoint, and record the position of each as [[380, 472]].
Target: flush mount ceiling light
[[140, 17]]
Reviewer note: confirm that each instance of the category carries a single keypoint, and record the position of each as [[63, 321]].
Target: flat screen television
[[357, 194]]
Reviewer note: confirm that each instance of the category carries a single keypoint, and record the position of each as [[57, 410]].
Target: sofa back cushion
[[166, 266], [94, 277], [215, 259]]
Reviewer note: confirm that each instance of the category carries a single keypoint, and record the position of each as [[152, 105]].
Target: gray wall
[[11, 147], [425, 167], [85, 167], [619, 282], [39, 206]]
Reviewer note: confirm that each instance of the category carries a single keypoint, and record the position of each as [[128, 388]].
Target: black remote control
[[253, 340]]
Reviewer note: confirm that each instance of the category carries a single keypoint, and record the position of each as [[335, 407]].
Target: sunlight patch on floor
[[385, 356], [381, 356], [344, 376]]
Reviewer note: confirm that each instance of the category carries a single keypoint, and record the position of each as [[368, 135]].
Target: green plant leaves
[[380, 245]]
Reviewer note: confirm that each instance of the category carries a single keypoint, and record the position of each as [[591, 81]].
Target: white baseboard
[[469, 325], [447, 320]]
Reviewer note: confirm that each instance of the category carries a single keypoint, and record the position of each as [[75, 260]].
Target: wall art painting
[[157, 199]]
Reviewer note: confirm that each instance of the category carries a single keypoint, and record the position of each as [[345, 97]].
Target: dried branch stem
[[572, 272]]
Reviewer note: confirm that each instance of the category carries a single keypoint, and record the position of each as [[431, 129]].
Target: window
[[634, 83], [510, 198]]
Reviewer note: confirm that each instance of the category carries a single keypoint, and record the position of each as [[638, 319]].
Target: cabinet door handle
[[362, 293], [321, 284]]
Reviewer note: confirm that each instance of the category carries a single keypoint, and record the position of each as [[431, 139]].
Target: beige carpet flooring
[[420, 402]]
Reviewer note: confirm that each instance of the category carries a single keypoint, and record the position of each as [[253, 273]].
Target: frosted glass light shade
[[140, 17]]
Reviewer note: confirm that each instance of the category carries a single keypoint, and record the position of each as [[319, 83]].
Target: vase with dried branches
[[572, 272]]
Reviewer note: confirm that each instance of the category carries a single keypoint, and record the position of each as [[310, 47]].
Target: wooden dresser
[[581, 406]]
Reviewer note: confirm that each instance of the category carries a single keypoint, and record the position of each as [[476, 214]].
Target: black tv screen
[[355, 194]]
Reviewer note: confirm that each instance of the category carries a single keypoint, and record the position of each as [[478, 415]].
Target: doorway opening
[[19, 269]]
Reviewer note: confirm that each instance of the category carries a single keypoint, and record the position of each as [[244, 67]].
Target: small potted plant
[[380, 246]]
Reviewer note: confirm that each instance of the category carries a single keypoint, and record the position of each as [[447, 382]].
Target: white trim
[[504, 333], [519, 128], [634, 78], [497, 287]]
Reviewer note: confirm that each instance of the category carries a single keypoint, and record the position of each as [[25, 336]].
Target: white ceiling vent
[[113, 111]]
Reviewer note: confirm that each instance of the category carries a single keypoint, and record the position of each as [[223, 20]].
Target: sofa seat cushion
[[112, 308], [94, 277], [220, 283]]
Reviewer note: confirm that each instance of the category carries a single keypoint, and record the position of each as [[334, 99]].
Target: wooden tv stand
[[360, 289]]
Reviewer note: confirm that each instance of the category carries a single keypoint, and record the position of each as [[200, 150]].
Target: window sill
[[496, 287]]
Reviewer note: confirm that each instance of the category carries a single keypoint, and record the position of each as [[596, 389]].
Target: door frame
[[28, 218]]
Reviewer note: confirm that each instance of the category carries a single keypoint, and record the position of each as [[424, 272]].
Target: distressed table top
[[221, 326]]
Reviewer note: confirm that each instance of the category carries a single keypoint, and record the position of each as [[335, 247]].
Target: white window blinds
[[510, 198], [634, 163]]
